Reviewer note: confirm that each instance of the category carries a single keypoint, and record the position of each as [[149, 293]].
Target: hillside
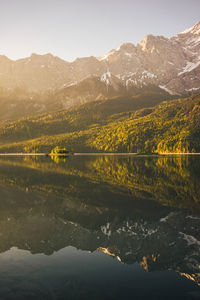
[[171, 126], [79, 117], [18, 103]]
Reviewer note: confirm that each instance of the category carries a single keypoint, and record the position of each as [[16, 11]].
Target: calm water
[[100, 228]]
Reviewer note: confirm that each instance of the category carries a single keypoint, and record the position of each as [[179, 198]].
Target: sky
[[78, 28]]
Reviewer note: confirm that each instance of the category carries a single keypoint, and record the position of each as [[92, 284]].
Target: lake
[[102, 227]]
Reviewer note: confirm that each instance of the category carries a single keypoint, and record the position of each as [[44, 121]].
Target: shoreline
[[97, 154]]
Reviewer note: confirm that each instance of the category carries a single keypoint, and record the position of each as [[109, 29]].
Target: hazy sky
[[77, 28]]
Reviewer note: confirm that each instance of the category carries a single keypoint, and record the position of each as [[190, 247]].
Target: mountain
[[112, 125], [18, 103], [171, 63], [34, 73]]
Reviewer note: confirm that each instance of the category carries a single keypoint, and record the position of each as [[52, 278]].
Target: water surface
[[100, 227]]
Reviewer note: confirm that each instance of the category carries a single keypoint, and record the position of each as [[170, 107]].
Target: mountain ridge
[[171, 63]]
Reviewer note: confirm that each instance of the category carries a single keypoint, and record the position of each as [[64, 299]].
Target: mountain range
[[172, 63], [109, 103]]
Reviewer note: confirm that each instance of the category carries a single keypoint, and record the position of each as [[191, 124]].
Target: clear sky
[[77, 28]]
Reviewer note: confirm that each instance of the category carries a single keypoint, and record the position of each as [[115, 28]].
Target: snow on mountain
[[194, 30], [106, 77], [171, 63], [190, 66]]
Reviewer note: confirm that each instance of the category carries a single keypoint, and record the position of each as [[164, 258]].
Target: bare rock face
[[35, 73], [173, 64]]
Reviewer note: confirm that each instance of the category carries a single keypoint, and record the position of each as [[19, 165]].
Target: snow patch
[[136, 229], [106, 229], [193, 89], [166, 89], [191, 240], [192, 217], [167, 217], [70, 84], [148, 74], [128, 75], [190, 66], [106, 77], [129, 81], [128, 54]]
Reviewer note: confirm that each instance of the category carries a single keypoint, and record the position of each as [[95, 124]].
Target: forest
[[115, 125]]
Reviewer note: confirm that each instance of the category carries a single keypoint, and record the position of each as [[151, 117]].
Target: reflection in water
[[59, 158], [142, 212]]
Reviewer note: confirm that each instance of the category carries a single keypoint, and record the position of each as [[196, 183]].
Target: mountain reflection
[[144, 210]]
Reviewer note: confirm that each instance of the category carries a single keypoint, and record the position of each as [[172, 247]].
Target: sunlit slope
[[78, 118], [171, 126]]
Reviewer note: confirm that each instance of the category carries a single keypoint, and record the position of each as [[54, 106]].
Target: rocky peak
[[190, 40], [193, 30], [196, 28], [108, 55], [4, 58], [150, 42], [127, 47], [44, 57], [85, 59], [172, 63]]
